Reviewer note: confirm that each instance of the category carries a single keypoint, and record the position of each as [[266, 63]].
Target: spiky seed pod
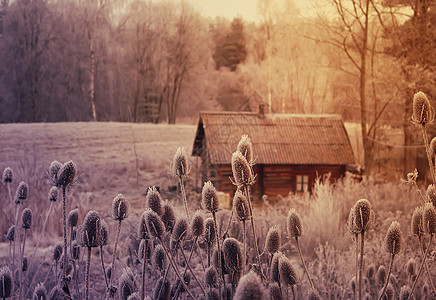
[[91, 230], [126, 285], [362, 215], [120, 207], [411, 267], [209, 233], [164, 288], [209, 196], [370, 271], [75, 250], [211, 277], [416, 225], [73, 218], [232, 254], [144, 249], [10, 236], [197, 224], [287, 272], [155, 226], [381, 275], [274, 271], [433, 148], [213, 294], [57, 251], [142, 228], [57, 294], [313, 295], [429, 218], [53, 194], [26, 218], [159, 258], [104, 233], [389, 293], [405, 292], [431, 191], [40, 292], [180, 166], [241, 206], [250, 287], [154, 200], [293, 222], [66, 174], [180, 230], [53, 171], [215, 261], [242, 172], [22, 192], [168, 217], [24, 264], [134, 296], [422, 110], [246, 148], [393, 239], [6, 283], [8, 175], [274, 291], [350, 222], [273, 240]]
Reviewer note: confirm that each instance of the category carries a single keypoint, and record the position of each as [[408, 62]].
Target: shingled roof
[[295, 139]]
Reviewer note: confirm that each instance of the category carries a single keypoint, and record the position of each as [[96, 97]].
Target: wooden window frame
[[302, 183]]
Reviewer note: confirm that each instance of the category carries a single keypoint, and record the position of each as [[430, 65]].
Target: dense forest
[[162, 61]]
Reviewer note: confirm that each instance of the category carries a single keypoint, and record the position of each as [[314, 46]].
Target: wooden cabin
[[290, 150]]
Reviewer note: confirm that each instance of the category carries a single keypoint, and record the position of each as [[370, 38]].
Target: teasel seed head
[[241, 206], [363, 215], [211, 277], [142, 228], [287, 272], [180, 166], [144, 249], [8, 175], [53, 194], [91, 230], [75, 250], [126, 284], [104, 233], [168, 217], [53, 170], [24, 264], [370, 271], [293, 222], [209, 233], [6, 283], [429, 218], [155, 226], [232, 254], [393, 239], [250, 287], [159, 258], [134, 296], [274, 291], [22, 192], [209, 197], [405, 292], [57, 252], [40, 292], [213, 294], [26, 218], [66, 174], [10, 236], [73, 218], [313, 295], [245, 146], [350, 222], [433, 148], [154, 200], [180, 230], [164, 288], [389, 293], [274, 271], [381, 275], [411, 267], [197, 224], [242, 172], [120, 207], [417, 225], [422, 111], [431, 194], [273, 240]]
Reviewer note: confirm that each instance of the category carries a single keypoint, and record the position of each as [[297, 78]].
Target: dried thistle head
[[274, 271], [213, 294], [22, 192], [162, 290], [40, 292], [242, 172], [155, 226], [159, 258], [423, 112], [91, 230], [53, 194], [393, 239], [389, 293], [288, 275], [405, 292], [168, 217], [313, 294], [381, 275], [120, 207], [411, 267], [142, 228], [180, 165], [209, 196], [57, 252], [232, 254], [134, 296], [6, 283], [75, 250], [429, 218], [154, 200], [66, 174], [10, 236], [293, 222], [250, 287], [73, 218], [417, 225], [370, 271], [180, 230], [53, 170], [363, 215], [26, 218], [104, 233], [209, 233], [432, 149], [126, 284], [241, 206], [211, 277], [246, 148], [273, 240], [274, 291], [8, 175], [144, 249], [197, 224], [350, 223], [431, 194]]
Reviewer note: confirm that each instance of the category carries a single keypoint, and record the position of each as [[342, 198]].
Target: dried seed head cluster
[[246, 148], [405, 292], [22, 192], [120, 207], [180, 230], [134, 296], [313, 295], [363, 215], [53, 170], [209, 197], [8, 175], [57, 252], [66, 174], [104, 233], [288, 275], [26, 218], [154, 200], [155, 226], [40, 292], [389, 293], [168, 217], [162, 290], [431, 194], [197, 224], [429, 218], [180, 166], [144, 249], [90, 235], [242, 172], [393, 239], [274, 291], [126, 284], [53, 194], [10, 236], [75, 250], [422, 111], [250, 287], [142, 228], [159, 258], [211, 277], [293, 223], [274, 271], [209, 233], [6, 283], [241, 206], [381, 275], [432, 149], [411, 267], [73, 217], [273, 240], [370, 271], [232, 254], [416, 225]]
